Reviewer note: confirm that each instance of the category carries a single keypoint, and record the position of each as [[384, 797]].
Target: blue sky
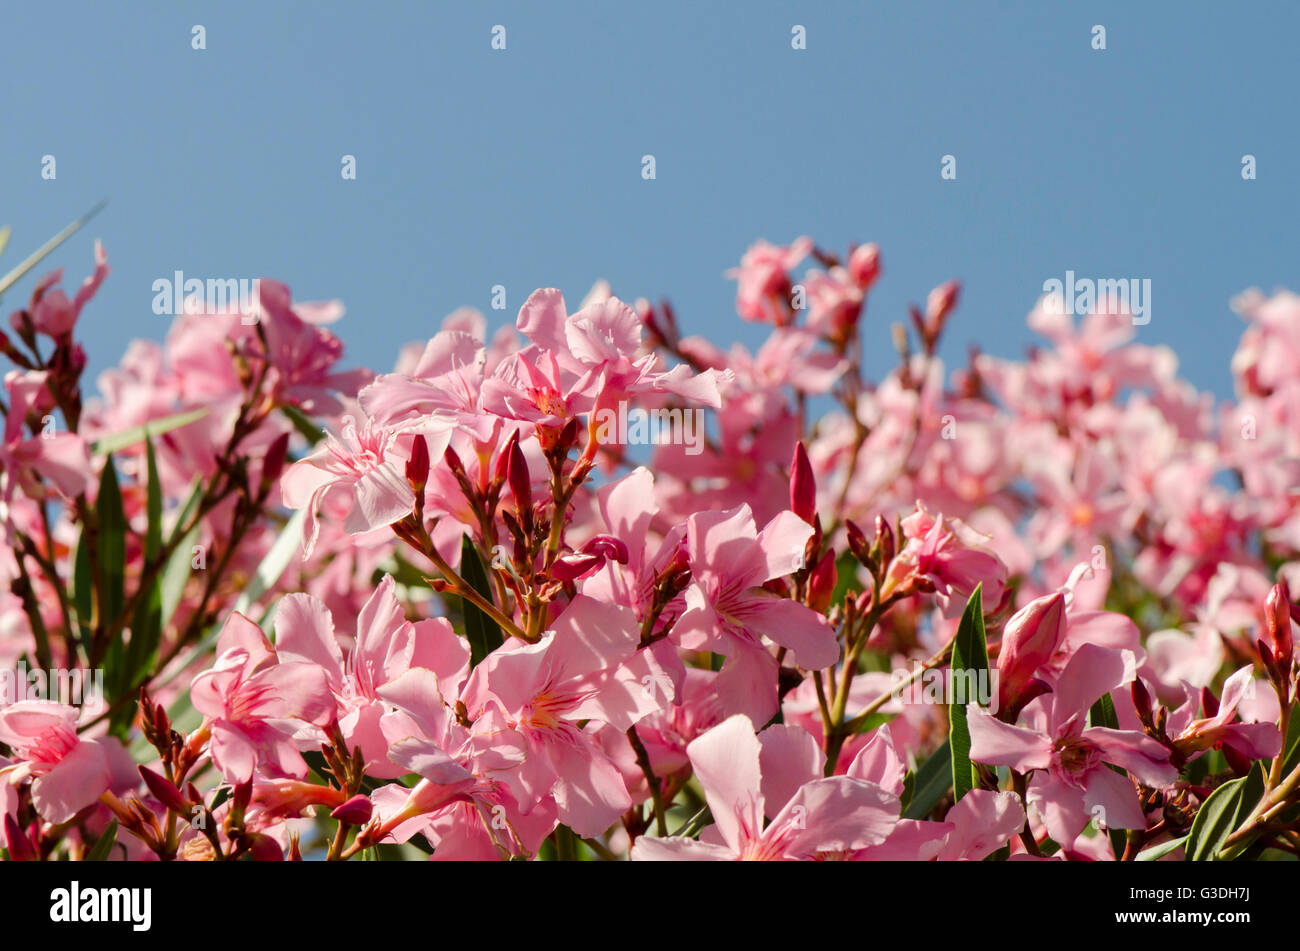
[[522, 167]]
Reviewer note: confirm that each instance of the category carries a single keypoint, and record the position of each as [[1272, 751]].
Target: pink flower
[[386, 646], [68, 771], [368, 463], [1070, 782], [59, 456], [1252, 739], [729, 612], [745, 779], [952, 557], [51, 312], [246, 698], [764, 280], [588, 667]]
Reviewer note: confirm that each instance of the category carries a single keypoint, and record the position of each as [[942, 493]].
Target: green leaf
[[846, 577], [146, 621], [484, 634], [1220, 814], [273, 564], [104, 845], [969, 671], [40, 253], [111, 542], [155, 427], [303, 424], [82, 594], [1157, 852], [931, 782]]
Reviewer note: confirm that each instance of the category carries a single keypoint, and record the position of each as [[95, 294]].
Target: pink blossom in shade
[[68, 771], [385, 647], [742, 785], [1254, 740], [666, 734], [728, 612], [50, 310], [59, 456], [764, 277], [250, 700], [982, 822], [1066, 759], [367, 464], [587, 667], [946, 553], [464, 803]]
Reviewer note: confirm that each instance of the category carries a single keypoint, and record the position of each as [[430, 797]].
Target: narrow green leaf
[[273, 564], [846, 577], [1220, 814], [931, 782], [40, 253], [1157, 852], [969, 671], [303, 424], [146, 621], [155, 427], [82, 595], [104, 844], [111, 541], [484, 634]]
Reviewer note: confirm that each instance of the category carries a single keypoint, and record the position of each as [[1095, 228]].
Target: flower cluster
[[1033, 610]]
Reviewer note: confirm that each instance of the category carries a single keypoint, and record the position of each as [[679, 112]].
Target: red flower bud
[[857, 542], [1277, 626], [521, 485], [165, 791], [822, 585], [803, 486], [864, 265], [263, 848], [502, 467], [417, 467], [20, 847], [355, 812], [273, 461]]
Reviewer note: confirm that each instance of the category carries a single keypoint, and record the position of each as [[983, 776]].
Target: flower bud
[[822, 584], [263, 848], [16, 841], [355, 812], [1029, 640], [857, 543], [1277, 626], [165, 791], [864, 265], [803, 486], [521, 486], [417, 467]]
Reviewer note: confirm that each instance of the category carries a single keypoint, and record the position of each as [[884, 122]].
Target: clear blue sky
[[478, 167]]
